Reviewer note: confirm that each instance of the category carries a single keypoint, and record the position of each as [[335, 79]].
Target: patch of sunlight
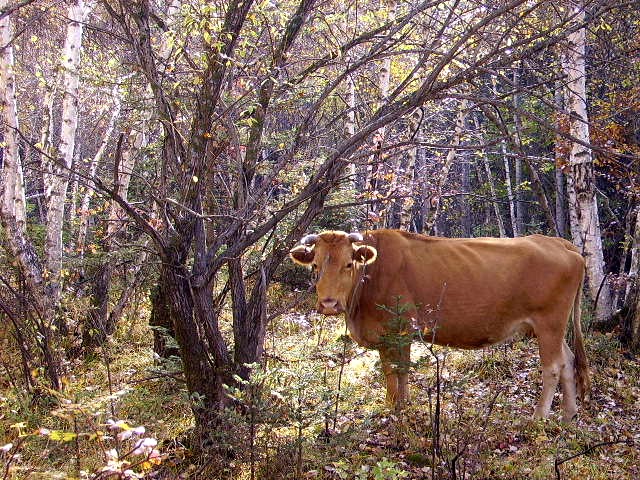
[[362, 367]]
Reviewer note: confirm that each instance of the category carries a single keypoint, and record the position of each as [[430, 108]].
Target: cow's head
[[336, 259]]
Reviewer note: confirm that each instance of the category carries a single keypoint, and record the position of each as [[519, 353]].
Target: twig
[[342, 364], [560, 461], [13, 456]]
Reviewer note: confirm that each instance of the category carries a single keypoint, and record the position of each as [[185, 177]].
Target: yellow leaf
[[541, 438]]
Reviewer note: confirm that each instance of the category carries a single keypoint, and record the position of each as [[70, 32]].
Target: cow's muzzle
[[329, 306]]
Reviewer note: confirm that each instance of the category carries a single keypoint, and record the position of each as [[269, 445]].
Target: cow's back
[[464, 292]]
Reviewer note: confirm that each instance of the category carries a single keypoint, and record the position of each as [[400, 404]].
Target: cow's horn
[[309, 239], [355, 237]]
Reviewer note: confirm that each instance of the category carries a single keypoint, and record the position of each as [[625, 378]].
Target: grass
[[488, 398]]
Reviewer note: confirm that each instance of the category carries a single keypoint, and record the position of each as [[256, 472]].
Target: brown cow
[[466, 293]]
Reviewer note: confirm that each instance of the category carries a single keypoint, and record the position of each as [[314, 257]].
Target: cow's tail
[[583, 380]]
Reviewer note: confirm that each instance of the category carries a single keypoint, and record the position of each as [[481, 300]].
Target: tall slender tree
[[585, 225]]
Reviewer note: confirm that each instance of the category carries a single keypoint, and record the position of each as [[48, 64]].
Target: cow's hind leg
[[568, 384], [552, 359]]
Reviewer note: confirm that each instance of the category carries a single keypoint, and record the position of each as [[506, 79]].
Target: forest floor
[[299, 424]]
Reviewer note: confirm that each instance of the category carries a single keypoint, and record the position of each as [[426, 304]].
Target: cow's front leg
[[403, 373], [395, 366], [390, 376]]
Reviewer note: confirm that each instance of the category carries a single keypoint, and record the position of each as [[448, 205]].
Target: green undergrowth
[[316, 410]]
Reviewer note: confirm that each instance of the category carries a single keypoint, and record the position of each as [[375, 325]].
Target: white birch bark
[[56, 189], [349, 131], [13, 196], [350, 125], [509, 185], [12, 205], [585, 224]]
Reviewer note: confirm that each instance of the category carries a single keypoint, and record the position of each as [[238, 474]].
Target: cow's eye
[[349, 265]]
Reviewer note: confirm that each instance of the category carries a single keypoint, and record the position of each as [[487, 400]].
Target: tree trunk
[[57, 174], [629, 316], [465, 200], [561, 201], [100, 321], [375, 184], [543, 202], [399, 190], [421, 195], [13, 209], [560, 164], [46, 138], [581, 179], [491, 182], [630, 320], [161, 323], [620, 294], [95, 329], [510, 195], [349, 131], [249, 318], [435, 201], [204, 357], [519, 174], [93, 167], [406, 207], [13, 195]]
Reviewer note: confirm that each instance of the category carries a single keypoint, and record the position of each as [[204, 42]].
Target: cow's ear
[[364, 254], [302, 255]]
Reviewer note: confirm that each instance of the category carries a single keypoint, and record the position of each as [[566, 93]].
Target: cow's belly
[[479, 335], [469, 331]]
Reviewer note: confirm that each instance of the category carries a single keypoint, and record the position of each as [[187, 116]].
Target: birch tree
[[13, 209], [13, 196], [56, 178], [585, 224]]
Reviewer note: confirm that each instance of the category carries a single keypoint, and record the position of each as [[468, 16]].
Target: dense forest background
[[160, 158]]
